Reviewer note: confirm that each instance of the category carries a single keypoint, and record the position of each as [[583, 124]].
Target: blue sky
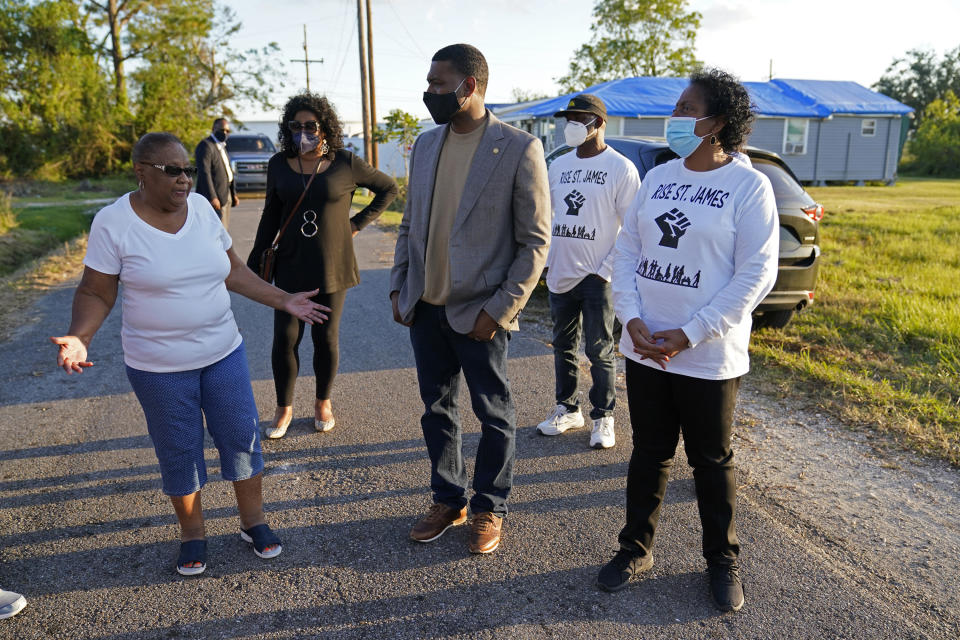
[[529, 43]]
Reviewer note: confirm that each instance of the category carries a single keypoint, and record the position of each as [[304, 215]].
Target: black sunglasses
[[173, 171], [310, 127]]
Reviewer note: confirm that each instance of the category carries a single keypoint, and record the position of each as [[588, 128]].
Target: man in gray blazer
[[470, 250], [214, 176]]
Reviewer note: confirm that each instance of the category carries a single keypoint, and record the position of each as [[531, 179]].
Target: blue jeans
[[441, 353], [592, 300]]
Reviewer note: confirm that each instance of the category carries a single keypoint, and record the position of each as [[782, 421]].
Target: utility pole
[[367, 132], [373, 94], [306, 58]]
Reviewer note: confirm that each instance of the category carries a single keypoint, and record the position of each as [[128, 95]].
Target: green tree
[[128, 30], [635, 38], [194, 77], [56, 117], [920, 78], [402, 127], [68, 107], [936, 145]]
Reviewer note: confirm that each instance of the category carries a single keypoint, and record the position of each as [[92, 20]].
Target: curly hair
[[326, 116], [726, 97]]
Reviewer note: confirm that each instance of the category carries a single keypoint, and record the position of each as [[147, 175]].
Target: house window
[[868, 127], [795, 136]]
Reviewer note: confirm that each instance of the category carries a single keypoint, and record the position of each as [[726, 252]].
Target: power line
[[404, 27]]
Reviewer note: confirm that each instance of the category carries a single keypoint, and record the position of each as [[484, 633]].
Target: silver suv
[[249, 154]]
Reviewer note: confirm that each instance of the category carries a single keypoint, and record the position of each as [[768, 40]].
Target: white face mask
[[575, 133]]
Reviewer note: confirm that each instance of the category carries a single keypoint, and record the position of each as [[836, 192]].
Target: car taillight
[[815, 212]]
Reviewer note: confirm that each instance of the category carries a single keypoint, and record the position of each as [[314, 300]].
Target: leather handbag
[[268, 259]]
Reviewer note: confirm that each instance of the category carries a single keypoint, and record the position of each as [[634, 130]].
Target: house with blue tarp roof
[[824, 129]]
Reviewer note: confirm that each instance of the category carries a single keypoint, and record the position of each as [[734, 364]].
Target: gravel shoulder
[[844, 535]]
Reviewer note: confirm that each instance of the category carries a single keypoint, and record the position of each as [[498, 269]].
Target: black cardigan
[[326, 261]]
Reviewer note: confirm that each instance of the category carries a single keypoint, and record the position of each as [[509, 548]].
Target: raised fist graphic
[[673, 224], [574, 202]]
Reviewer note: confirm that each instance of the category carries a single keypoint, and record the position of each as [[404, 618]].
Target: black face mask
[[443, 106], [220, 135]]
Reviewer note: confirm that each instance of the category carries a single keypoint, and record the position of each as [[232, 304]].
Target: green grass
[[27, 234], [38, 191], [881, 346], [389, 219], [29, 230]]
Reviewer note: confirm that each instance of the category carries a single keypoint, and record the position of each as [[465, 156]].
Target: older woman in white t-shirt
[[697, 253], [184, 354]]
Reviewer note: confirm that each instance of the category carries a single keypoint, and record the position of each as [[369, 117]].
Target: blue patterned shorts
[[175, 405]]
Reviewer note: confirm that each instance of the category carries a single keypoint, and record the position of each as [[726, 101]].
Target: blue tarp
[[636, 97], [842, 97]]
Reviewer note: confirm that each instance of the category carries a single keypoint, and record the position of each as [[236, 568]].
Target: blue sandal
[[262, 537], [191, 552]]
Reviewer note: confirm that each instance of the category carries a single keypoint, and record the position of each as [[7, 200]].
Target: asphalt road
[[88, 537]]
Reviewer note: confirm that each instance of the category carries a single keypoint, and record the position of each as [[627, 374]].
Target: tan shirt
[[452, 169]]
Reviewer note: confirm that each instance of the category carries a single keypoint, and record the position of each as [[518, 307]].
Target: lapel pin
[[496, 149]]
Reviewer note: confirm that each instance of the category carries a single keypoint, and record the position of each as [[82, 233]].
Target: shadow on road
[[464, 611]]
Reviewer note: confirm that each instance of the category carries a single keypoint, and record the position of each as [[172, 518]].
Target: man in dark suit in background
[[214, 176]]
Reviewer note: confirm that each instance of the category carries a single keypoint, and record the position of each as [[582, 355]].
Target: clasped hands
[[659, 346]]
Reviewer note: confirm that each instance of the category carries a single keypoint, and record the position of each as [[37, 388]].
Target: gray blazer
[[500, 235]]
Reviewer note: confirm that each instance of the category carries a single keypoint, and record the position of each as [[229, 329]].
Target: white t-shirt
[[698, 251], [589, 198], [176, 308]]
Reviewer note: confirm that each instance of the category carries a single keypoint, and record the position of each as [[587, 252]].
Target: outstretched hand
[[72, 356], [301, 306]]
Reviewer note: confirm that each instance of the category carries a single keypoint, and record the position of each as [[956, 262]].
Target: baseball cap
[[584, 103]]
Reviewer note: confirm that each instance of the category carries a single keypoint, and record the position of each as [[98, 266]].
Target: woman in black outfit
[[316, 249]]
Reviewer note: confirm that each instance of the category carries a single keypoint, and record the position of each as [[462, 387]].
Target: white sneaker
[[11, 604], [602, 435], [560, 420]]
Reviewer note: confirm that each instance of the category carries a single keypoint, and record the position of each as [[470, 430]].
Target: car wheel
[[774, 319]]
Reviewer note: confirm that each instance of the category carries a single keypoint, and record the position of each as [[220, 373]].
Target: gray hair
[[149, 143]]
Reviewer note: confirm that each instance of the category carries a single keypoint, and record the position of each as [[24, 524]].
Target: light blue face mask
[[680, 136]]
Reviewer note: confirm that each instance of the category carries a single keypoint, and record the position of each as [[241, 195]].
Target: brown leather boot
[[438, 519], [485, 529]]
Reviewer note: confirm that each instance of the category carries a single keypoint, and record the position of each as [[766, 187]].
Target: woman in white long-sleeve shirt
[[697, 253]]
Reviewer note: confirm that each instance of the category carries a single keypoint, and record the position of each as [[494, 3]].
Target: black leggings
[[287, 334]]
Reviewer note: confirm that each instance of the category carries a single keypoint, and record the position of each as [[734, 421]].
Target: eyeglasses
[[173, 171], [309, 227], [310, 127]]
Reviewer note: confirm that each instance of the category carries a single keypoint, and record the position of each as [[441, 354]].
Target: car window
[[556, 154], [248, 144], [784, 186]]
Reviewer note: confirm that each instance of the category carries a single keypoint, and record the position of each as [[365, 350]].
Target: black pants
[[285, 357], [662, 405]]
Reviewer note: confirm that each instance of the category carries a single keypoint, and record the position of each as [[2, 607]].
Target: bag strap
[[293, 212]]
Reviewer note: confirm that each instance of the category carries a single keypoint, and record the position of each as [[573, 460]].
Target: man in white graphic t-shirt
[[590, 190]]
